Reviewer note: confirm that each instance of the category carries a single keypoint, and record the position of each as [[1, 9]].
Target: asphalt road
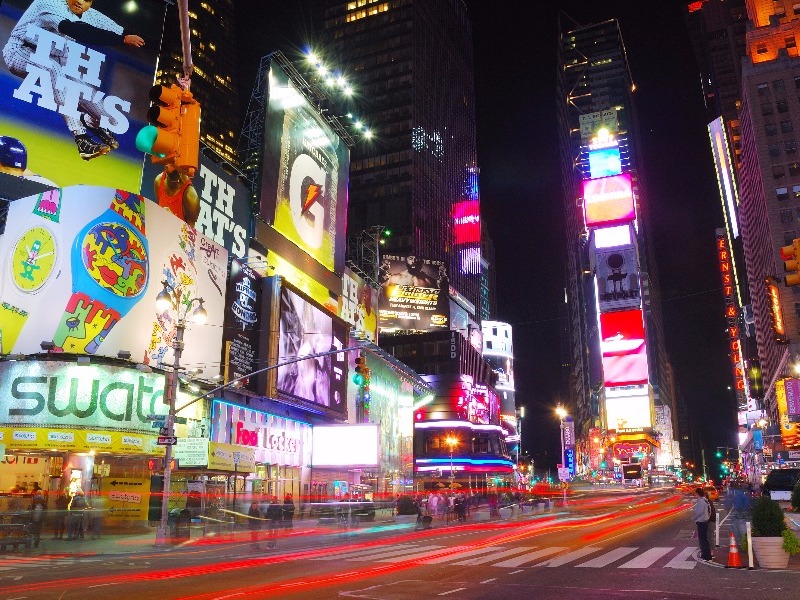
[[637, 546]]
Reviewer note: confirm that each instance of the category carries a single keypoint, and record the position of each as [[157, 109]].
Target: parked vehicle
[[780, 483]]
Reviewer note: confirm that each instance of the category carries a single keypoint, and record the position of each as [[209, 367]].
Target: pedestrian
[[254, 522], [98, 513], [288, 511], [60, 520], [75, 522], [738, 502], [37, 508], [275, 516], [712, 525], [701, 516]]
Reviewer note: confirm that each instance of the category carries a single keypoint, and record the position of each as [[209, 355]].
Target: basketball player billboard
[[414, 294], [305, 166], [74, 84]]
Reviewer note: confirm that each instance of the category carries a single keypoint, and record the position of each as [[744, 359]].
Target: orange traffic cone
[[734, 560]]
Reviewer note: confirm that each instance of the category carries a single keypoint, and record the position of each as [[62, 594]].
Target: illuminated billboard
[[243, 318], [628, 412], [305, 166], [344, 445], [306, 329], [623, 347], [605, 162], [617, 278], [214, 201], [720, 150], [608, 200], [358, 305], [82, 266], [414, 294], [74, 83], [790, 430], [467, 222]]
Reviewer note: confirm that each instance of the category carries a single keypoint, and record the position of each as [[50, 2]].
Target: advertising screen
[[344, 445], [605, 162], [242, 324], [608, 200], [304, 174], [82, 266], [358, 305], [790, 431], [306, 329], [467, 222], [75, 106], [720, 150], [215, 202], [631, 412], [623, 348], [617, 278], [414, 294]]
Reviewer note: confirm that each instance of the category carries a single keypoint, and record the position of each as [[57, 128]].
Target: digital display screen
[[344, 445], [623, 348], [605, 162], [608, 200], [467, 222]]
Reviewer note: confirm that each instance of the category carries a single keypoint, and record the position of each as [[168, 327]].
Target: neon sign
[[731, 315]]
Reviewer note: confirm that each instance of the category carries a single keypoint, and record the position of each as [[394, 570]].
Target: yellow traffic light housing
[[791, 263]]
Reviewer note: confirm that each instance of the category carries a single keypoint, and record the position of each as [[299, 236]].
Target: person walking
[[738, 502], [38, 508], [60, 520], [274, 515], [254, 520], [288, 511], [701, 516]]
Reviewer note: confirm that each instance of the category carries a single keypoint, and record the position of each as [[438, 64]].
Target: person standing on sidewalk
[[275, 515], [288, 511], [701, 516], [75, 522], [38, 507], [254, 524], [60, 521]]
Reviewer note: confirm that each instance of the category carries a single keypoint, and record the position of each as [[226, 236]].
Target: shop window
[[782, 194], [771, 129], [778, 171], [774, 150]]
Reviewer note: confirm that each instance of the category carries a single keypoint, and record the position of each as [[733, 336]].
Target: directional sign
[[156, 417], [167, 441], [158, 424], [563, 473]]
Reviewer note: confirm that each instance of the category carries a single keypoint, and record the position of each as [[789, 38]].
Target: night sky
[[515, 78]]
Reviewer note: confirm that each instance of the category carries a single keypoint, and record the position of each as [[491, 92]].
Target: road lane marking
[[485, 559], [518, 571], [488, 580], [646, 559], [680, 562], [397, 555], [609, 557], [452, 591], [363, 552], [529, 557], [456, 556], [416, 555], [569, 557], [103, 584]]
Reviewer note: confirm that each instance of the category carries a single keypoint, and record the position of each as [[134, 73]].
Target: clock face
[[33, 259], [115, 257]]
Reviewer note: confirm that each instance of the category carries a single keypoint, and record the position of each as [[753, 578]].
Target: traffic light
[[791, 263], [361, 365], [173, 136], [719, 453]]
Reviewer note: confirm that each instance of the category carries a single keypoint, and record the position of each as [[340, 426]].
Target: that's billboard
[[414, 294], [608, 200], [81, 268], [624, 351], [74, 84]]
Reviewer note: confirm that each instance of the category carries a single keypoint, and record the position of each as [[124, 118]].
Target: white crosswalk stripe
[[42, 563], [527, 556]]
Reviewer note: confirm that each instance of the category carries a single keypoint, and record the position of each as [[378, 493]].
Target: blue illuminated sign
[[569, 457], [604, 162]]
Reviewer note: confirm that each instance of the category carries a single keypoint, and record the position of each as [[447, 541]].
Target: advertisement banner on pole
[[790, 431], [74, 83], [792, 399]]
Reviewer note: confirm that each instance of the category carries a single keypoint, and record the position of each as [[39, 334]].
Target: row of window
[[772, 129], [779, 171], [778, 86], [782, 193], [789, 147]]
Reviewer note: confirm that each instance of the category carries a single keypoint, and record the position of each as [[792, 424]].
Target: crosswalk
[[502, 556], [12, 563]]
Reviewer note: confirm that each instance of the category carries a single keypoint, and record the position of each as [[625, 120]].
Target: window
[[787, 216], [771, 129], [797, 83], [778, 171], [786, 127], [797, 213], [796, 8], [774, 150], [790, 147], [782, 105], [766, 109], [782, 193], [761, 48], [794, 168], [796, 192], [778, 86]]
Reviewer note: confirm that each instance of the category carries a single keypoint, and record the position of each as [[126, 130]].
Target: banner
[[82, 267], [608, 200], [792, 399], [790, 431], [215, 202], [74, 85], [617, 279], [230, 457], [242, 324], [358, 305], [79, 440], [414, 294], [624, 352]]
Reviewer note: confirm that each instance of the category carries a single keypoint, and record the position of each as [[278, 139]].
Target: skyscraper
[[411, 63], [214, 85], [619, 370]]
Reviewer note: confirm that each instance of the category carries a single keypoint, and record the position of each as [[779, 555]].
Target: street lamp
[[452, 442], [170, 298], [562, 414]]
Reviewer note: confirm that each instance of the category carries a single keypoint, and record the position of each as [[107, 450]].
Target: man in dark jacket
[[275, 516], [254, 523], [288, 511]]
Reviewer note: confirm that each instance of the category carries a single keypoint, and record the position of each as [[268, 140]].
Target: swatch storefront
[[281, 449]]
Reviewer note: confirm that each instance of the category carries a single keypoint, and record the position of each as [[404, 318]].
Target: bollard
[[749, 546]]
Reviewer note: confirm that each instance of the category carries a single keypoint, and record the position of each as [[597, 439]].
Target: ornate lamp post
[[562, 414], [168, 298]]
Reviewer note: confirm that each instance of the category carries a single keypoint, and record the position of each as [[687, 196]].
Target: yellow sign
[[790, 432], [230, 457], [125, 498], [79, 440]]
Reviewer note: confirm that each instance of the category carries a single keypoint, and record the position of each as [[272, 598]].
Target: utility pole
[[703, 455]]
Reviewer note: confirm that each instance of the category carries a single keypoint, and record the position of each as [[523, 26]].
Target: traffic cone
[[734, 560]]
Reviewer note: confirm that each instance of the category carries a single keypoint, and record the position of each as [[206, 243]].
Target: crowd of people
[[271, 515]]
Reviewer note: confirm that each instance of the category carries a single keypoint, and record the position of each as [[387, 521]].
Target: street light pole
[[561, 412]]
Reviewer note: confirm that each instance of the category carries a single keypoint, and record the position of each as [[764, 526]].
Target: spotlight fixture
[[47, 346], [124, 354]]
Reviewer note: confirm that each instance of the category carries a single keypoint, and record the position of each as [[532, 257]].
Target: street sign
[[167, 441], [158, 424], [156, 417], [563, 474]]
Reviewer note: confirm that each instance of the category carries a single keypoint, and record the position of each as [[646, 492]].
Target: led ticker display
[[623, 348], [605, 162], [608, 200], [467, 222]]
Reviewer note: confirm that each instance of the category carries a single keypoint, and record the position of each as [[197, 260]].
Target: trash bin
[[178, 521]]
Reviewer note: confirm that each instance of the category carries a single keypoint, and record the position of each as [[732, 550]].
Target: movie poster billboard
[[81, 268], [305, 329], [414, 294], [242, 324], [74, 83], [215, 202], [305, 167], [623, 347], [358, 305], [617, 278]]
